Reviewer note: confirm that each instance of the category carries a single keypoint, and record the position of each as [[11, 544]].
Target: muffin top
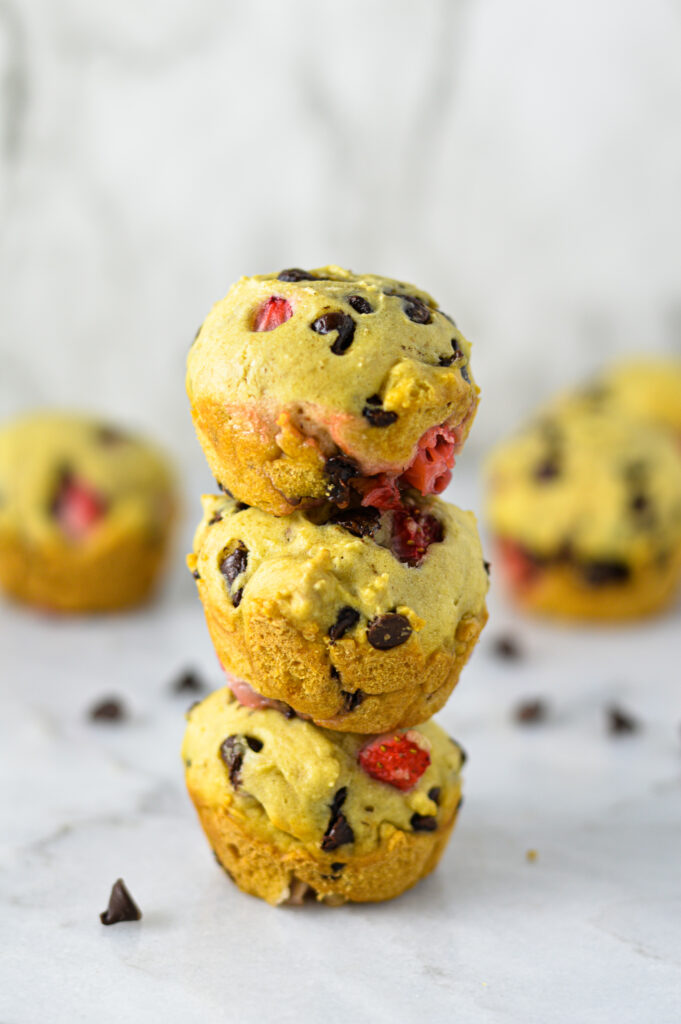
[[643, 389]]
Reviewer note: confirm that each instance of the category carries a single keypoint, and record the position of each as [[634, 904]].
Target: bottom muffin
[[293, 810]]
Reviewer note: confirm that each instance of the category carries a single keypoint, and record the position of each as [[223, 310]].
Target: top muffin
[[641, 389], [311, 386]]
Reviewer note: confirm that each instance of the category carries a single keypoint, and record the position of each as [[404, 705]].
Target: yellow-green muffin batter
[[85, 512], [291, 371], [338, 625], [277, 790], [642, 389]]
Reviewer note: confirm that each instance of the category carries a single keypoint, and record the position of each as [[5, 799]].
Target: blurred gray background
[[521, 161]]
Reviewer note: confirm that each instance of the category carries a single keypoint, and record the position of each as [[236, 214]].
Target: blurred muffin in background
[[585, 506], [86, 512]]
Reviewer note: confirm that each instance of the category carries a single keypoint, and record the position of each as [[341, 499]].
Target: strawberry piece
[[397, 758], [431, 470], [413, 531], [380, 491], [78, 507], [274, 312]]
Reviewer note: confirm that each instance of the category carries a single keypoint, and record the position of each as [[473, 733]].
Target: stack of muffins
[[343, 598]]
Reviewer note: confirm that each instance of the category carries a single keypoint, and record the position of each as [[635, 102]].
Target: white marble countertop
[[589, 931]]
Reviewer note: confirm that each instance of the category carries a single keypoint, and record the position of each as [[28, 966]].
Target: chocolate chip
[[360, 522], [352, 700], [416, 310], [457, 353], [241, 506], [531, 712], [388, 631], [487, 566], [111, 435], [337, 865], [360, 304], [465, 374], [109, 710], [338, 831], [122, 906], [196, 574], [188, 681], [620, 721], [232, 751], [434, 794], [423, 822], [549, 469], [335, 674], [231, 566], [376, 414], [340, 469], [508, 648], [221, 487], [599, 574], [347, 618], [215, 518], [254, 743], [336, 321], [296, 274]]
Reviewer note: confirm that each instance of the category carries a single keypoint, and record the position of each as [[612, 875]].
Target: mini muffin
[[310, 386], [293, 811], [586, 509], [85, 513], [361, 620], [645, 389]]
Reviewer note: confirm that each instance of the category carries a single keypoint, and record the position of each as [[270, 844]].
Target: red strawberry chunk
[[431, 470], [78, 507], [413, 531], [398, 759], [274, 312]]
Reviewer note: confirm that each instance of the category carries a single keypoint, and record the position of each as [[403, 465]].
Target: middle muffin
[[357, 619]]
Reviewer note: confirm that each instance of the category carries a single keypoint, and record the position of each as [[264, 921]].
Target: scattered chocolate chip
[[231, 566], [423, 822], [122, 906], [549, 469], [335, 674], [508, 648], [296, 274], [188, 681], [598, 574], [347, 618], [340, 469], [254, 743], [360, 522], [196, 574], [337, 865], [360, 304], [531, 712], [620, 721], [388, 630], [232, 752], [434, 794], [111, 709], [376, 414], [352, 700], [338, 831], [342, 323], [416, 310]]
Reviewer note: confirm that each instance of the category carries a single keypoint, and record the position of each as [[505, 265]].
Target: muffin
[[293, 811], [585, 505], [85, 513], [359, 619], [641, 389], [327, 385]]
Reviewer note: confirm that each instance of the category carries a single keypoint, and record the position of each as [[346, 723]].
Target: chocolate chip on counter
[[232, 751], [347, 618], [360, 304], [188, 681], [620, 721], [342, 323], [416, 310], [360, 522], [531, 712], [340, 469], [549, 469], [388, 631], [122, 906], [296, 274], [599, 574], [434, 794], [507, 648], [231, 566], [111, 709], [338, 831], [423, 822], [376, 414], [254, 743], [352, 700]]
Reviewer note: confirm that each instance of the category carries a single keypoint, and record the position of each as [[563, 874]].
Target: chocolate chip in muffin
[[111, 709], [599, 574], [232, 752], [457, 353], [360, 304], [423, 822], [231, 566], [347, 618], [621, 721], [487, 566], [196, 574], [548, 469], [338, 831], [508, 648], [465, 374], [434, 794], [340, 469], [122, 906], [342, 323], [296, 274], [188, 681], [110, 436], [531, 712], [335, 674], [352, 700], [416, 310], [337, 866], [377, 416], [215, 518], [388, 631], [360, 522]]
